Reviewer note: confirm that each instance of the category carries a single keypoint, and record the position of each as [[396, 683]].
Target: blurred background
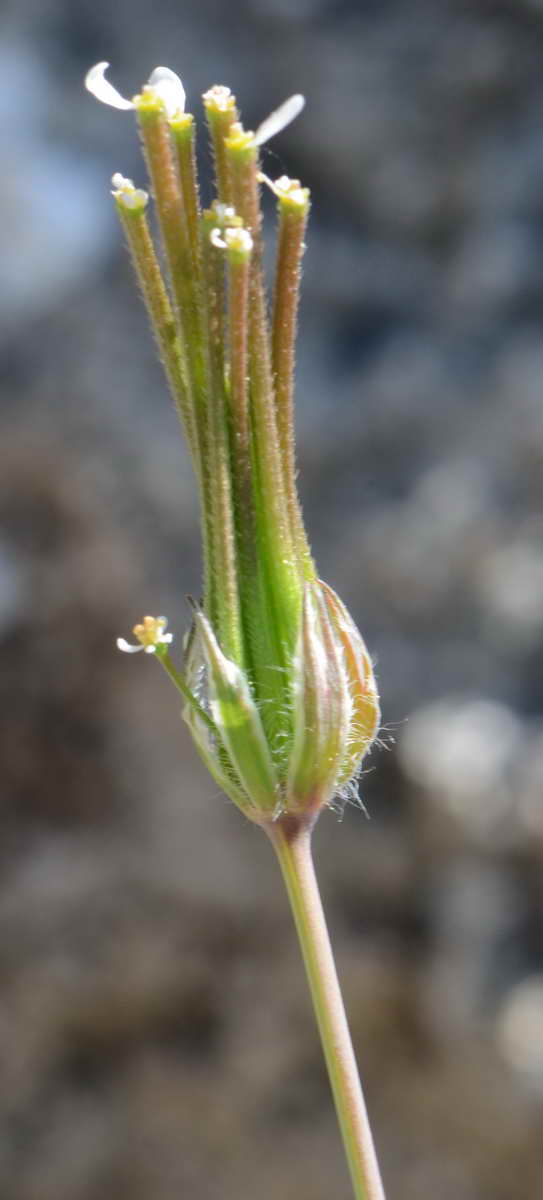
[[156, 1040]]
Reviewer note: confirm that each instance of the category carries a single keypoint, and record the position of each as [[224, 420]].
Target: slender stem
[[278, 550], [172, 220], [221, 113], [142, 250], [242, 155], [183, 136], [182, 686], [291, 838], [293, 209], [223, 602], [251, 599]]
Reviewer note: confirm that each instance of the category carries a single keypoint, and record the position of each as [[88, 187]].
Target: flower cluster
[[279, 688]]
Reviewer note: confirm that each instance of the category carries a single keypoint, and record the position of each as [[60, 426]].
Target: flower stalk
[[293, 211], [278, 687], [291, 840]]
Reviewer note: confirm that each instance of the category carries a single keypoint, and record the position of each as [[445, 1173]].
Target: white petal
[[127, 647], [170, 89], [219, 96], [125, 192], [239, 239], [99, 86], [279, 118], [120, 182], [217, 239], [167, 638]]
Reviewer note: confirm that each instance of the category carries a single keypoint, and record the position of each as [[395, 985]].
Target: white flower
[[286, 189], [220, 96], [165, 84], [124, 190], [150, 634], [232, 239]]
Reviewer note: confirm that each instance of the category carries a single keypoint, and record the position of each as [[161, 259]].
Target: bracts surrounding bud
[[278, 686]]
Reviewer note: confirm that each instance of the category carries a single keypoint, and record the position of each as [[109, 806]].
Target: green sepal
[[183, 686], [204, 732], [209, 751], [365, 711], [238, 721], [321, 709]]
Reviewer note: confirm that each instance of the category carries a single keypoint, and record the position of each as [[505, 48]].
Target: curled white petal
[[102, 89], [279, 118], [217, 239], [127, 647], [168, 86]]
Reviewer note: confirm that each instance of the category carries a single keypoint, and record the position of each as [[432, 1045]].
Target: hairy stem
[[149, 275], [293, 208]]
